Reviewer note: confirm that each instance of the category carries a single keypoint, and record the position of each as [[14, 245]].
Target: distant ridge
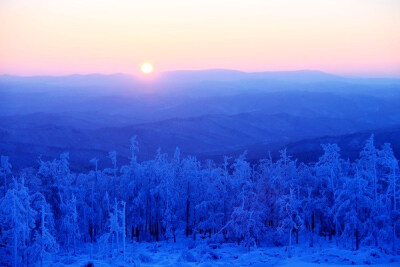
[[196, 76], [295, 76], [235, 75], [72, 79]]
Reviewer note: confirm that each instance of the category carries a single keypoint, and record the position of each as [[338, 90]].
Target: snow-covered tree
[[368, 169], [70, 223], [5, 170], [44, 238], [290, 215], [329, 170], [57, 184], [248, 203], [212, 207], [390, 189], [17, 219], [246, 225], [353, 209], [45, 243], [189, 180]]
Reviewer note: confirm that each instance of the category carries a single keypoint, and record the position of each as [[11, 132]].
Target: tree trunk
[[357, 240], [41, 243], [194, 221], [312, 222], [74, 245], [290, 242], [394, 204], [112, 245], [156, 231], [187, 212], [123, 227], [15, 251]]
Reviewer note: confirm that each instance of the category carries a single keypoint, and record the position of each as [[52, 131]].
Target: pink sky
[[52, 37]]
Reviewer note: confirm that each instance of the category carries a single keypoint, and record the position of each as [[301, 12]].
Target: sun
[[147, 68]]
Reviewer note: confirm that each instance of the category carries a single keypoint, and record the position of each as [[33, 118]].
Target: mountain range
[[207, 113]]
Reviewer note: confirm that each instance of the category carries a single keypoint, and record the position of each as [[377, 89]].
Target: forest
[[275, 202]]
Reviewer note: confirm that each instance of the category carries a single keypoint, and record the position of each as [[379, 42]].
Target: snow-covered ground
[[188, 253]]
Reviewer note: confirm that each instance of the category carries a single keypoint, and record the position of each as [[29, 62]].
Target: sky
[[57, 37]]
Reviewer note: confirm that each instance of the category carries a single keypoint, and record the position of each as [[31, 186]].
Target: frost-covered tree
[[169, 211], [308, 195], [271, 201], [389, 184], [353, 209], [368, 166], [70, 223], [132, 183], [189, 180], [241, 178], [290, 215], [329, 170], [45, 243], [368, 169], [57, 184], [44, 238], [5, 170], [113, 172], [17, 219], [212, 207], [117, 226], [246, 225]]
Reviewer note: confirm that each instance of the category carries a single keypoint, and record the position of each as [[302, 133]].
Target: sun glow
[[147, 68]]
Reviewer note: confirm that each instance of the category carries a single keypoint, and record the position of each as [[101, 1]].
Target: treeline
[[275, 201]]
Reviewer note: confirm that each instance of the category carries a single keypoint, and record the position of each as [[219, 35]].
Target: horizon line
[[338, 75]]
